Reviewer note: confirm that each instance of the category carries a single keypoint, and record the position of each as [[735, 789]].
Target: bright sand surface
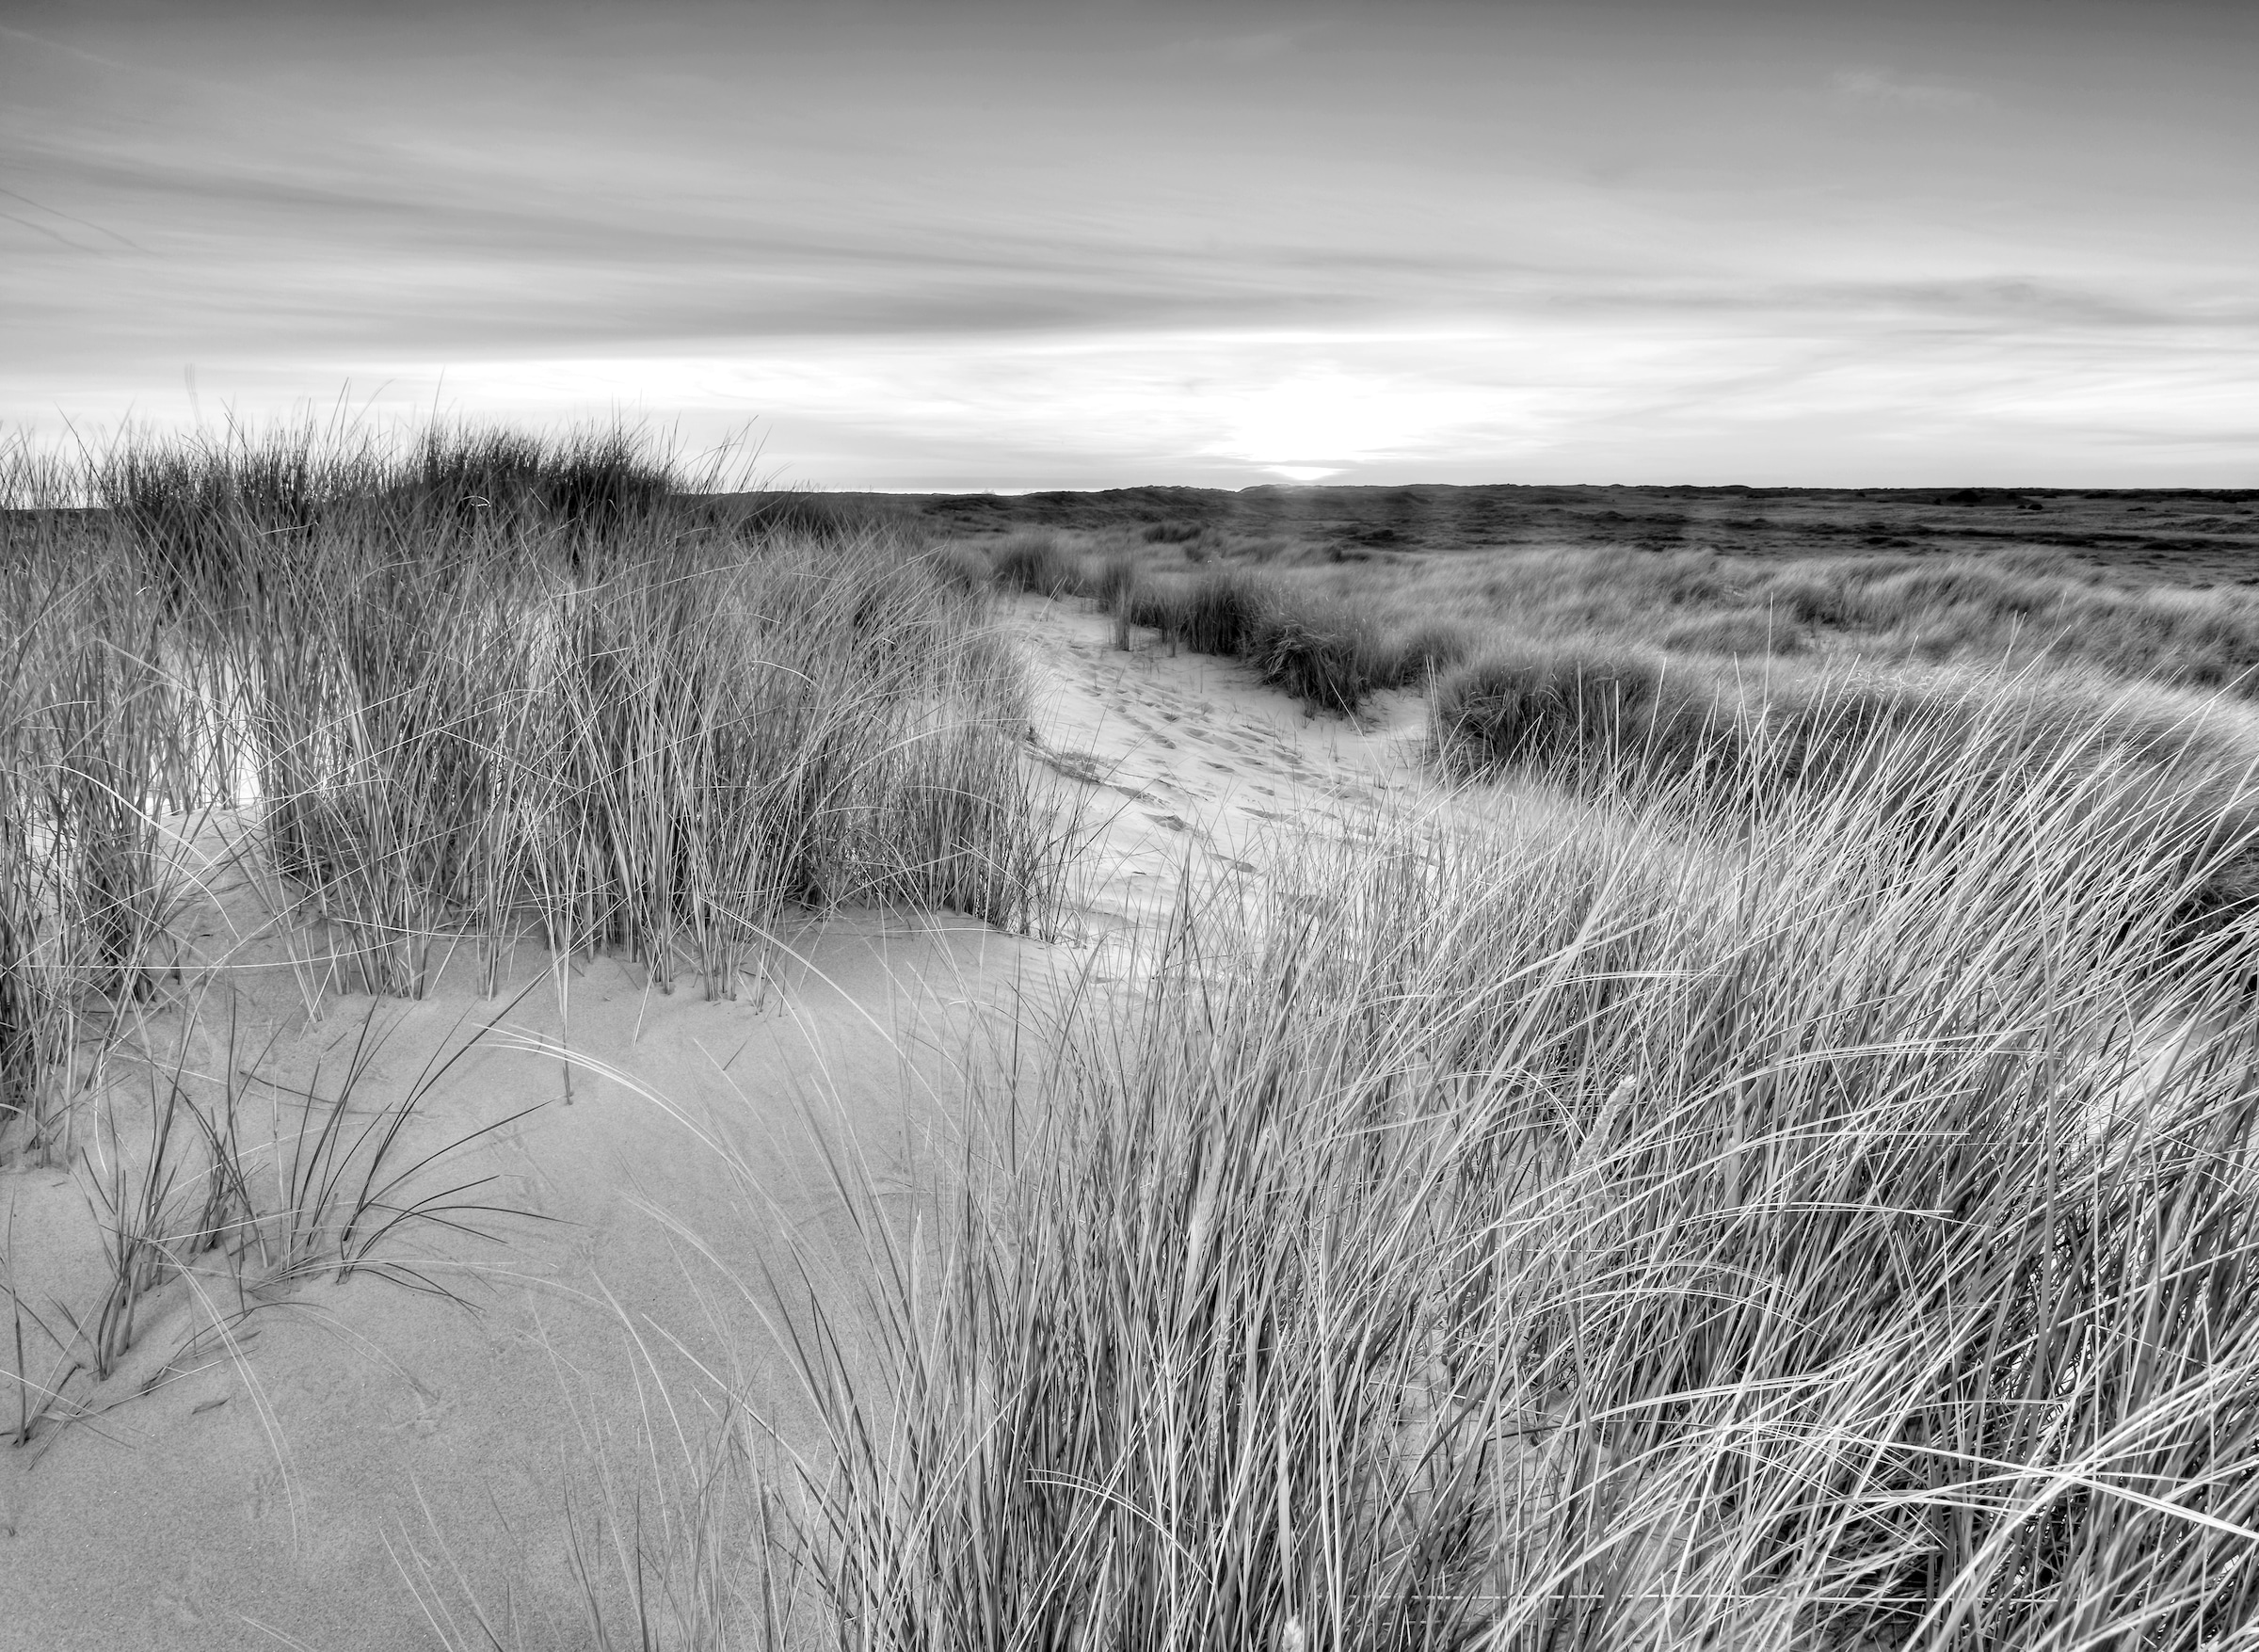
[[353, 1464]]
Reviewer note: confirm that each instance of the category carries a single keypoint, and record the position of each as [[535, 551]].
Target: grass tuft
[[468, 685], [1034, 562]]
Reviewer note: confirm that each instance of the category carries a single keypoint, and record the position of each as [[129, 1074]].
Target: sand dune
[[342, 1465], [337, 1464]]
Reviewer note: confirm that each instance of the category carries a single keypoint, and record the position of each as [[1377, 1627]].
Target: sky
[[956, 247]]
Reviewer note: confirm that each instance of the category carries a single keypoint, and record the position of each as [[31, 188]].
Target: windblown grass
[[1572, 1233], [1634, 725]]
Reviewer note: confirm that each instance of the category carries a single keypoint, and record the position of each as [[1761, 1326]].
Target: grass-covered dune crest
[[470, 683]]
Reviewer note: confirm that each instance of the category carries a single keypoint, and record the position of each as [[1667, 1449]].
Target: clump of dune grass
[[1318, 652], [1564, 1231], [1035, 561], [469, 684], [1219, 612], [1151, 605], [1109, 579], [1548, 708], [657, 762], [591, 482]]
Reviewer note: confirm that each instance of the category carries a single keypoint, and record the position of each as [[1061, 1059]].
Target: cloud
[[1220, 247], [335, 246], [1884, 86]]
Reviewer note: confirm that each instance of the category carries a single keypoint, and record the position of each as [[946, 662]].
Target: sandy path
[[285, 1486], [1187, 760]]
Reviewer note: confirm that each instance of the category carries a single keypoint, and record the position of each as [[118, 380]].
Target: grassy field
[[1765, 1157]]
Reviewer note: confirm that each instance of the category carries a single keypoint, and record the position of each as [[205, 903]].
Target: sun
[[1322, 419]]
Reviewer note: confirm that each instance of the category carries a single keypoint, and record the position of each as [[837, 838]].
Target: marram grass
[[464, 685], [1795, 1196], [1571, 1229]]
